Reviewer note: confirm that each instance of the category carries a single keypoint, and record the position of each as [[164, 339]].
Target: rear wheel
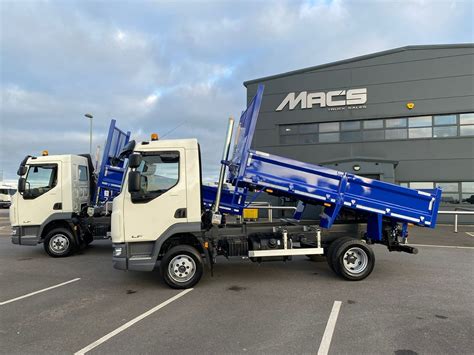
[[181, 267], [353, 260], [59, 242], [330, 254]]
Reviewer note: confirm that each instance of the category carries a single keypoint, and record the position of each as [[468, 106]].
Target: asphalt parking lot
[[410, 304]]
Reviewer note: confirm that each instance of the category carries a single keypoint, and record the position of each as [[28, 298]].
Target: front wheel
[[353, 260], [59, 242], [181, 267]]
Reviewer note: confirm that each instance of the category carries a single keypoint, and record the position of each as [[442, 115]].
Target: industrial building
[[404, 115]]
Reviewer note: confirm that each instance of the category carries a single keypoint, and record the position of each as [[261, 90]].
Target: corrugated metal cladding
[[415, 126]]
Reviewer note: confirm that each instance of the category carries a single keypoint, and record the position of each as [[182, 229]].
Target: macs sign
[[334, 100]]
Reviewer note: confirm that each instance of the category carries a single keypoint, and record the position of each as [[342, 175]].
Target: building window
[[467, 130], [351, 136], [466, 121], [309, 128], [374, 135], [396, 134], [421, 185], [422, 121], [290, 139], [467, 189], [445, 120], [424, 132], [329, 127], [308, 138], [373, 124], [438, 126], [289, 129], [446, 131], [350, 126], [450, 192], [328, 137], [466, 118], [396, 123]]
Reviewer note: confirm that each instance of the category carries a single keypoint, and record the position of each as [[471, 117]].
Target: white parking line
[[130, 323], [329, 331], [39, 291], [440, 246], [470, 233]]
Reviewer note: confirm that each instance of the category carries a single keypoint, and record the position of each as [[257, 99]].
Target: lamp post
[[90, 117]]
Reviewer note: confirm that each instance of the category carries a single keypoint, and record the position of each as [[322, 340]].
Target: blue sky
[[158, 65]]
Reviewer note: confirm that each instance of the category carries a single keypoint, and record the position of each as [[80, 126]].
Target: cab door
[[161, 201], [42, 196]]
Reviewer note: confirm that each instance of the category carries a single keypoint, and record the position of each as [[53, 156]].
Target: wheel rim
[[355, 261], [59, 243], [181, 268]]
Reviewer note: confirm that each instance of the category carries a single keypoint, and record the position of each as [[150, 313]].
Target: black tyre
[[330, 254], [181, 267], [353, 260], [59, 243]]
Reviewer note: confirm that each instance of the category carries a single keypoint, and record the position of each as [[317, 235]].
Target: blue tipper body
[[314, 184], [111, 174]]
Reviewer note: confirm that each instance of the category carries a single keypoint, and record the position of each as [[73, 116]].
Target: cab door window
[[159, 174], [40, 179], [83, 175]]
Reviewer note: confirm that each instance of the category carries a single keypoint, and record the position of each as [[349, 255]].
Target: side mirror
[[22, 170], [21, 185], [134, 181], [134, 160]]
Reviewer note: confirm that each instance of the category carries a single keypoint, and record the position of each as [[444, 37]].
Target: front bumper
[[123, 258], [25, 235]]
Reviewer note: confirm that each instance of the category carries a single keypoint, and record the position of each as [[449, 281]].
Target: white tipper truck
[[164, 215], [50, 206], [62, 202]]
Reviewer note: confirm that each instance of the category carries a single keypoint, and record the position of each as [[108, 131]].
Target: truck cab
[[52, 191], [6, 193], [159, 204]]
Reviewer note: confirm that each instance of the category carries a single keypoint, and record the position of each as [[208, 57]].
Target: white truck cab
[[53, 191], [163, 206], [6, 193]]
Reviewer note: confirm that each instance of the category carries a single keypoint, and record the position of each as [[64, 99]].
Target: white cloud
[[120, 36]]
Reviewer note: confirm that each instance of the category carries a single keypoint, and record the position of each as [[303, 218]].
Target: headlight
[[118, 251]]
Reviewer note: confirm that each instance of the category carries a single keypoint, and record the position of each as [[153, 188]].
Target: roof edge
[[362, 57]]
